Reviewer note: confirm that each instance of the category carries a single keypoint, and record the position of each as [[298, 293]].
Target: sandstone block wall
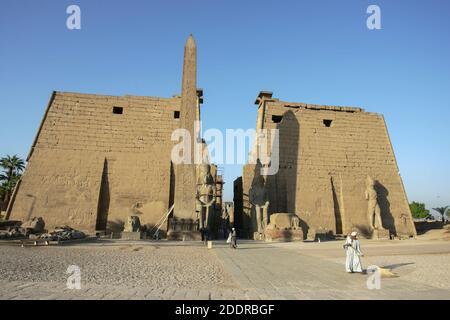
[[91, 168], [326, 154]]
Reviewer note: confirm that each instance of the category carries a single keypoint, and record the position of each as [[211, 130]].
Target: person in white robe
[[352, 247]]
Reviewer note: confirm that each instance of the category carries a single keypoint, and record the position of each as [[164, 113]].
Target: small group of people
[[352, 248]]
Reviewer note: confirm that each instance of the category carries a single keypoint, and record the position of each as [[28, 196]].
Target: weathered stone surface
[[131, 235], [185, 178], [283, 227], [98, 159], [34, 225], [283, 235], [10, 223], [380, 234], [283, 221], [90, 168], [259, 200], [63, 234], [206, 191], [325, 156], [12, 233], [133, 224], [320, 234]]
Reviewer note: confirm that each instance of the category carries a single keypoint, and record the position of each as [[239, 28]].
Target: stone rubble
[[33, 229], [61, 234]]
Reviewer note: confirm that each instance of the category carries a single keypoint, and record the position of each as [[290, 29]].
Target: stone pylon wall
[[326, 154], [90, 166]]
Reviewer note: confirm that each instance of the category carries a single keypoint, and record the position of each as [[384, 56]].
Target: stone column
[[185, 178]]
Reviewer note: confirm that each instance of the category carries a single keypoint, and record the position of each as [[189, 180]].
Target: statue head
[[204, 171]]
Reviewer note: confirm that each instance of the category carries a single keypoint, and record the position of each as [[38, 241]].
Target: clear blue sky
[[309, 51]]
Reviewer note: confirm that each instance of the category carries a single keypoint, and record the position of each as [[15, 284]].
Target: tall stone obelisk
[[185, 177]]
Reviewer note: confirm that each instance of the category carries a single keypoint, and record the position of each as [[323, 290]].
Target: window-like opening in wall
[[276, 119], [327, 123], [117, 110], [176, 114]]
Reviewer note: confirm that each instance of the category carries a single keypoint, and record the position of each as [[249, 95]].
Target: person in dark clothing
[[202, 233], [205, 236], [233, 243]]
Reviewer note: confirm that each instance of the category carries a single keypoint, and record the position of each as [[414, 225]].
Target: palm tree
[[442, 211], [12, 164], [12, 171]]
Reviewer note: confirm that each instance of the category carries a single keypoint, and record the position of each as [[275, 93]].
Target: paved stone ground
[[170, 270]]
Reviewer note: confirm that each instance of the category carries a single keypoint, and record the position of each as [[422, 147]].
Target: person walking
[[233, 243], [352, 247], [205, 236]]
